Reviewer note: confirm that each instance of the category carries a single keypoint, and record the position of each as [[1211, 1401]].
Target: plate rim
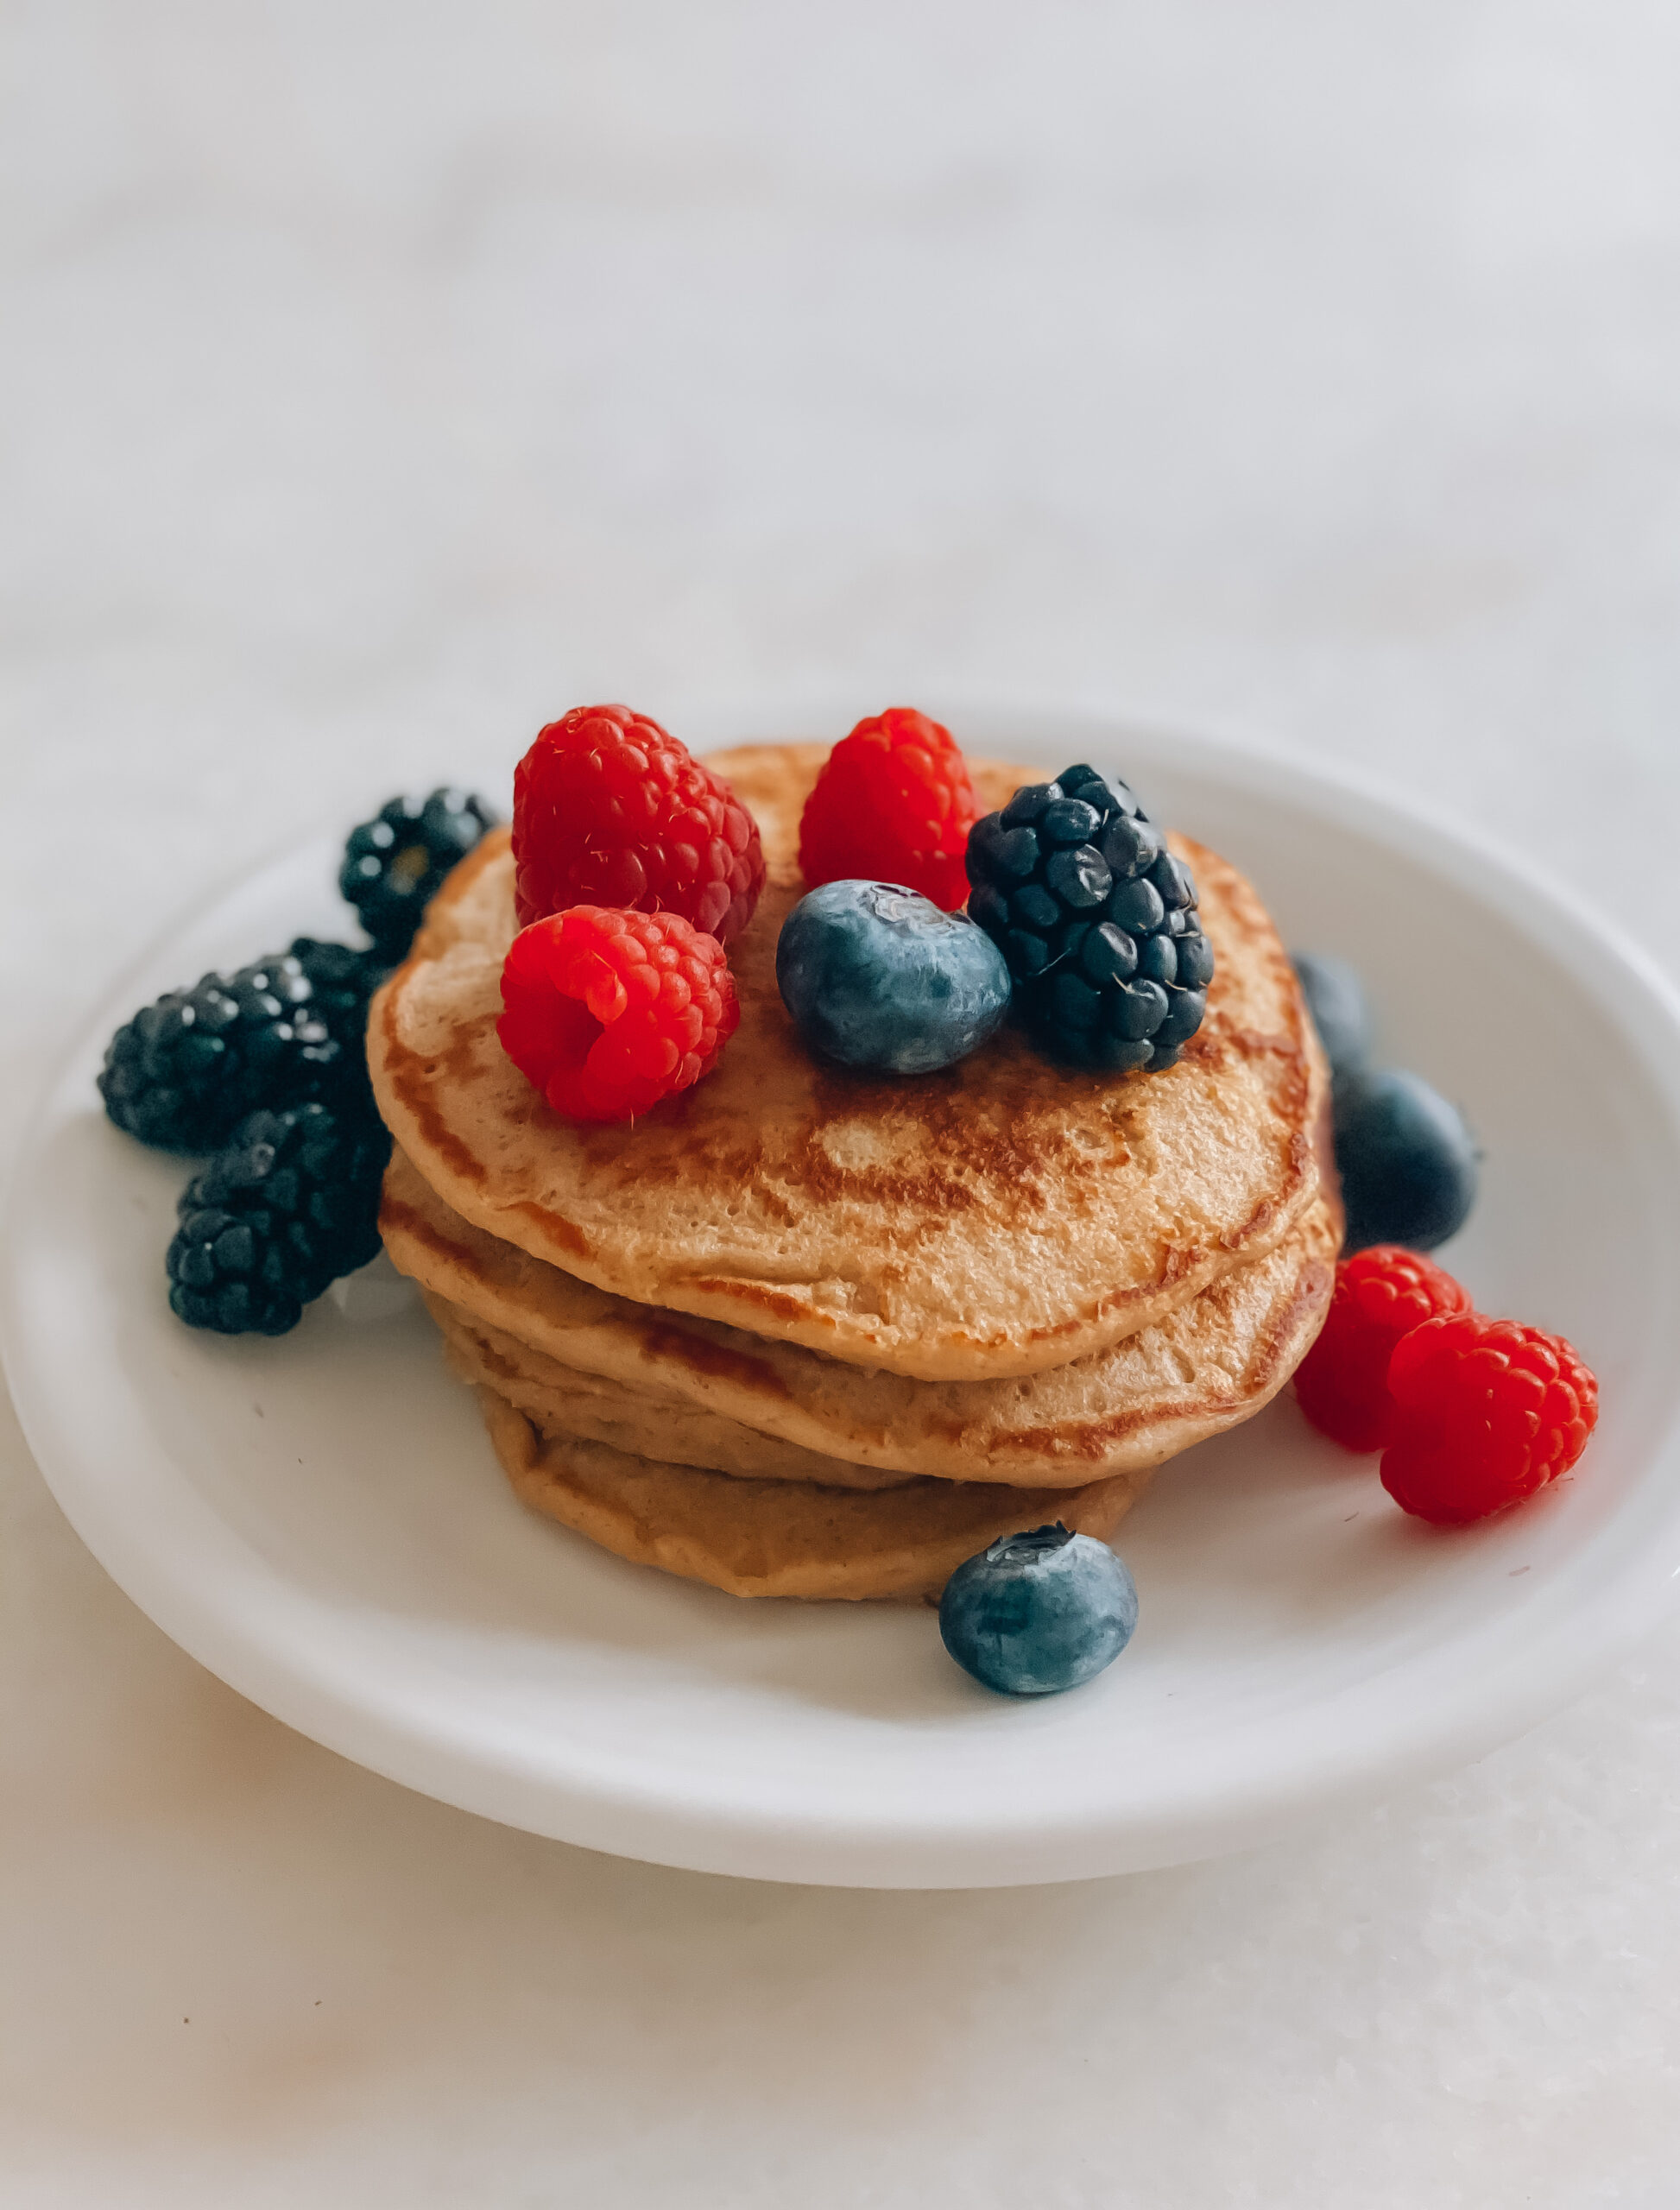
[[638, 1821]]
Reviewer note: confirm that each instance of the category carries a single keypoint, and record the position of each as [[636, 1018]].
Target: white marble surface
[[374, 381]]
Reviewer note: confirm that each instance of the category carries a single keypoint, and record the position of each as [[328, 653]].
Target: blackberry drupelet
[[291, 1203], [396, 864], [1097, 920], [290, 1027]]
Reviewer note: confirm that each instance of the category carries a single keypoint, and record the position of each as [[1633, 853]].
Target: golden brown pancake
[[579, 1361], [562, 1403], [780, 1538], [998, 1218]]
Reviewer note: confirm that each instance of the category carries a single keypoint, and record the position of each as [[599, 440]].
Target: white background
[[377, 381]]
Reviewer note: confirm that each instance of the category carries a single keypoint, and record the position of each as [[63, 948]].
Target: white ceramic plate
[[319, 1520]]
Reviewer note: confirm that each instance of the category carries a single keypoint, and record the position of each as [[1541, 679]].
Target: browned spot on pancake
[[393, 1213], [556, 1227], [458, 1060], [768, 1300], [714, 1359], [410, 1076], [1274, 1357], [503, 1368]]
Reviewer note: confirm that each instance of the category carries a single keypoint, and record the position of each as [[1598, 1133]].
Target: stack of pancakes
[[807, 1332]]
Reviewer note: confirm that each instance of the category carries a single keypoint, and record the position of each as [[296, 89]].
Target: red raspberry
[[894, 804], [610, 811], [1382, 1293], [1486, 1413], [608, 1012]]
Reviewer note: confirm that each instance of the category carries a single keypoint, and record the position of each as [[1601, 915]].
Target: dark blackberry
[[184, 1071], [396, 864], [1096, 919], [289, 1205]]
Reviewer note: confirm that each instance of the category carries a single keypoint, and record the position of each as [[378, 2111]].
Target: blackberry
[[1097, 920], [185, 1070], [286, 1207], [396, 864]]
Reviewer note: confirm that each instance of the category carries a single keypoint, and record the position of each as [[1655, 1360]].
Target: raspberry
[[608, 1012], [1487, 1412], [1381, 1295], [610, 811], [893, 804]]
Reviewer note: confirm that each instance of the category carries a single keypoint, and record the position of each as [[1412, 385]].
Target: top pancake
[[999, 1217]]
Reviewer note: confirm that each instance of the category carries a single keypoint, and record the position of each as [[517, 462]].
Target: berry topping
[[1335, 999], [395, 865], [1380, 1296], [289, 1206], [608, 1012], [610, 811], [1096, 920], [1487, 1412], [893, 800], [1038, 1613], [184, 1071], [1407, 1161], [876, 976]]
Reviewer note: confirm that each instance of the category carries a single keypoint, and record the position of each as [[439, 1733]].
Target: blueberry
[[876, 976], [1036, 1612], [1335, 999], [1407, 1161]]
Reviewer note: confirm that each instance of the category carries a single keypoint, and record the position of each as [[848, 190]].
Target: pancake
[[994, 1219], [779, 1538], [1213, 1363], [562, 1403]]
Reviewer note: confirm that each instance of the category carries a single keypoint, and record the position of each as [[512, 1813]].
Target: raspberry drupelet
[[607, 1012], [1380, 1294], [1486, 1413], [893, 804], [609, 810]]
